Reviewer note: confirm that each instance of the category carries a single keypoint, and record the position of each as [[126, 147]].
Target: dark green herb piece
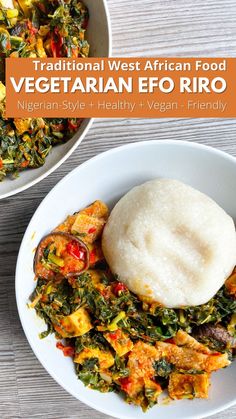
[[163, 368]]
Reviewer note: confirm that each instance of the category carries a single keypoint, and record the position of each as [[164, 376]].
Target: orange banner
[[121, 87]]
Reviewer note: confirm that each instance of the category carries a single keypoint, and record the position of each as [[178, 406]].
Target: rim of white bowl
[[80, 139], [115, 150]]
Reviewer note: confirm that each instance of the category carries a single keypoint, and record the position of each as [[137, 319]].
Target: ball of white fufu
[[170, 243]]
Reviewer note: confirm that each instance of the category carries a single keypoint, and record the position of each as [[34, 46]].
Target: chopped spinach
[[163, 368], [42, 29]]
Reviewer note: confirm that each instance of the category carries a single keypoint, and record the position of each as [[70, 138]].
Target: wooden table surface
[[140, 27]]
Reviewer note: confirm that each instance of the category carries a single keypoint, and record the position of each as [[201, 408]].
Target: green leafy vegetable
[[163, 368], [40, 29]]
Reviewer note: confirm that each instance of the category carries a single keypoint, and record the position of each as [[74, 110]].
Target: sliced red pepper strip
[[74, 249], [93, 256], [25, 163], [67, 350], [170, 340], [125, 384], [92, 230], [56, 44], [74, 124], [119, 287], [31, 28], [115, 335]]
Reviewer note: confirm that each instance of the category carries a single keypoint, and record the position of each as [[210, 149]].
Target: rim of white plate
[[100, 156]]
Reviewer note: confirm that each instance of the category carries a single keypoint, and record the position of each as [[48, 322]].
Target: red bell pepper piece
[[119, 287], [115, 335], [125, 384], [67, 350], [170, 340], [56, 44], [75, 250], [93, 255], [92, 230]]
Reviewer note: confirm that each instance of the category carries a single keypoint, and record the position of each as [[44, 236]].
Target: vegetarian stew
[[118, 341]]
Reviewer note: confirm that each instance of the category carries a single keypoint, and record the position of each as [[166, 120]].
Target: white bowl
[[100, 39], [107, 177]]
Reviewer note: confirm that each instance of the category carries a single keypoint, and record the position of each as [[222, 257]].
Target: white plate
[[107, 177], [100, 39]]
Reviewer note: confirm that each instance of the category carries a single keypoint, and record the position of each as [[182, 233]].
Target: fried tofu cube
[[90, 227], [140, 385], [216, 361], [141, 368], [66, 226], [182, 386], [188, 359], [76, 324], [119, 341], [88, 223], [22, 125], [98, 210], [105, 358], [185, 340]]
